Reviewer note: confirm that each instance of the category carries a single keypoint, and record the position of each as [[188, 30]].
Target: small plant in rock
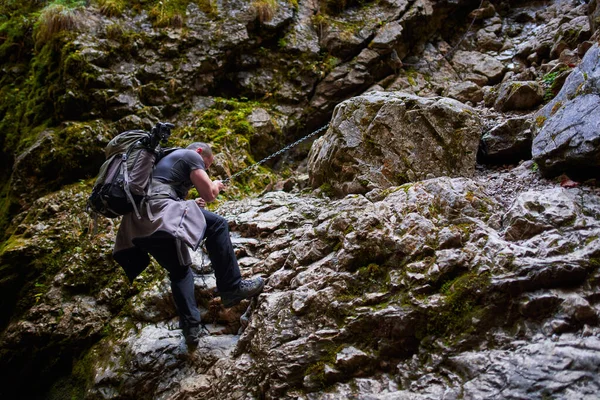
[[57, 17], [111, 8], [265, 9], [549, 81], [535, 167], [115, 32], [320, 21], [168, 13]]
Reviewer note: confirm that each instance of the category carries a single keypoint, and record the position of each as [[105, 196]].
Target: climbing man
[[169, 223]]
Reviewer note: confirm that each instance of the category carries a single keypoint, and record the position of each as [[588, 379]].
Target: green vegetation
[[111, 8], [224, 125], [337, 6], [326, 17], [55, 18], [550, 83], [316, 370], [373, 276], [165, 13], [461, 304], [540, 120], [556, 107], [226, 128]]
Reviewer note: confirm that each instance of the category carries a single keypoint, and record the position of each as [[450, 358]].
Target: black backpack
[[125, 175]]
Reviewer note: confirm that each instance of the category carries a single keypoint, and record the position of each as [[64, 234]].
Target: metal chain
[[286, 148], [449, 53]]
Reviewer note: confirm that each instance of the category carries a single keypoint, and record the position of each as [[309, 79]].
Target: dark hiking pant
[[220, 251], [173, 255]]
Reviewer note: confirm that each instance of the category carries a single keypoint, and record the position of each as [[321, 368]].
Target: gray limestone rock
[[569, 142], [481, 287], [519, 96], [594, 15], [388, 37], [533, 213], [468, 62], [385, 139], [408, 287], [566, 137], [265, 131], [464, 92]]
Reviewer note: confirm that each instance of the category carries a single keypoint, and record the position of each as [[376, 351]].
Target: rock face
[[411, 292], [519, 96], [383, 139], [465, 282], [568, 136], [478, 67]]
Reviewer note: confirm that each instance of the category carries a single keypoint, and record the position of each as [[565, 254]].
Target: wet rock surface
[[447, 285], [408, 272]]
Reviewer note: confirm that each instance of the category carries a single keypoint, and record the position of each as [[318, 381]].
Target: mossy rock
[[58, 157]]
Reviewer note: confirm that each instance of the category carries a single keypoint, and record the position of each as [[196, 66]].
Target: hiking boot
[[245, 290], [193, 334]]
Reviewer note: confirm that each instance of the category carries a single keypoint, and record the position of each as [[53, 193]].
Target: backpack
[[126, 174]]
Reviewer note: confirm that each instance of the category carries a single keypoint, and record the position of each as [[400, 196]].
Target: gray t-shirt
[[175, 168]]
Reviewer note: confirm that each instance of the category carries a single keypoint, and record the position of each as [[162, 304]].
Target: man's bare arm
[[207, 189]]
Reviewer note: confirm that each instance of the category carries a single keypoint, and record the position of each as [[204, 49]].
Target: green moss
[[540, 120], [226, 128], [111, 8], [556, 107], [327, 189], [316, 370], [461, 304], [56, 18], [171, 13]]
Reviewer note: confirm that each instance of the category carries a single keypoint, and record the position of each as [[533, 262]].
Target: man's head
[[205, 152]]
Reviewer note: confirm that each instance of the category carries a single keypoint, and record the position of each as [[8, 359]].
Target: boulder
[[585, 78], [383, 139], [489, 40], [388, 37], [487, 11], [507, 143], [344, 79], [482, 65], [302, 38], [465, 91], [264, 131], [570, 141], [567, 134], [519, 96]]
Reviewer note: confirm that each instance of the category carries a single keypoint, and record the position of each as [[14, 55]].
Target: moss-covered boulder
[[59, 288], [381, 139], [58, 157]]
